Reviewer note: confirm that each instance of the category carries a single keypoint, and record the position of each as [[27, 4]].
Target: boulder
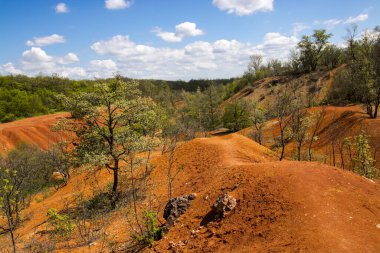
[[176, 207], [223, 205]]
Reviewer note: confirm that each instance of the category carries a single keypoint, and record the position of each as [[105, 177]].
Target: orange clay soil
[[282, 206], [34, 131], [339, 123]]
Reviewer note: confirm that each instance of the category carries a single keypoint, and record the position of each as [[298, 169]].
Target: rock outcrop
[[176, 207]]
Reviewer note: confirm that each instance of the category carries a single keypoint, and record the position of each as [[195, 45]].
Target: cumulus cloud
[[118, 4], [61, 8], [36, 54], [357, 19], [68, 59], [276, 45], [102, 68], [47, 40], [200, 59], [9, 69], [244, 7], [103, 64], [186, 29], [36, 60]]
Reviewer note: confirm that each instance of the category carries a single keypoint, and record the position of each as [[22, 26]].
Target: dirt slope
[[282, 206], [316, 85], [338, 123], [34, 130]]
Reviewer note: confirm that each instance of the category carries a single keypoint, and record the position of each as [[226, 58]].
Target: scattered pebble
[[378, 225]]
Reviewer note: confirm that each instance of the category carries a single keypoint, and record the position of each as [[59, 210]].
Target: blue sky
[[163, 39]]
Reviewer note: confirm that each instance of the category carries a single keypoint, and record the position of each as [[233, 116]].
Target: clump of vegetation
[[9, 201], [62, 224], [150, 231], [364, 162], [236, 116], [360, 81], [115, 120]]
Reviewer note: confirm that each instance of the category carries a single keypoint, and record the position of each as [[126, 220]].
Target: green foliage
[[62, 224], [360, 81], [8, 192], [22, 96], [364, 163], [236, 116], [311, 48], [200, 111], [150, 231], [115, 122]]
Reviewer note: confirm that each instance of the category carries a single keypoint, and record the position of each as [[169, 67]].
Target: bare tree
[[299, 124], [255, 63], [316, 123], [281, 108]]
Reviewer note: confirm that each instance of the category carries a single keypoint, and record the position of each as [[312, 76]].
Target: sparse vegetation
[[62, 225], [119, 125]]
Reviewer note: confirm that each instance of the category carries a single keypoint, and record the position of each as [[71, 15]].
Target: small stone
[[224, 205], [176, 207], [378, 225]]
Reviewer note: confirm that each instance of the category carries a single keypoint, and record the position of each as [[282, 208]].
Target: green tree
[[311, 48], [9, 201], [258, 117], [109, 123], [364, 163], [364, 69], [236, 116]]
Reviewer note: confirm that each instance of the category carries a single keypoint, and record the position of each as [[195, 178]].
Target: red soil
[[338, 123], [282, 206], [36, 131]]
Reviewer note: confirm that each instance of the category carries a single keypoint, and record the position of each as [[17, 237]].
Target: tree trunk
[[376, 111], [299, 151], [282, 150], [11, 227], [260, 136], [309, 151], [115, 184], [333, 153]]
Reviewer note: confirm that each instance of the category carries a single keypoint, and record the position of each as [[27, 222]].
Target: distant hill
[[314, 85]]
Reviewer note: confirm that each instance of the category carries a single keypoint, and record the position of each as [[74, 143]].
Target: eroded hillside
[[315, 86], [281, 206]]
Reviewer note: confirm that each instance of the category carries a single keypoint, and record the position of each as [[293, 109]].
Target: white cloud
[[36, 60], [299, 27], [36, 54], [47, 40], [68, 59], [118, 4], [357, 19], [200, 59], [331, 23], [61, 8], [103, 64], [9, 69], [276, 45], [102, 68], [244, 7], [186, 29]]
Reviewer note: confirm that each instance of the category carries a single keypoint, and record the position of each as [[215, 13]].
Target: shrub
[[364, 163], [62, 224], [149, 231]]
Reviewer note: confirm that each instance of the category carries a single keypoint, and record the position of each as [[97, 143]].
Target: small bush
[[150, 231], [62, 224]]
